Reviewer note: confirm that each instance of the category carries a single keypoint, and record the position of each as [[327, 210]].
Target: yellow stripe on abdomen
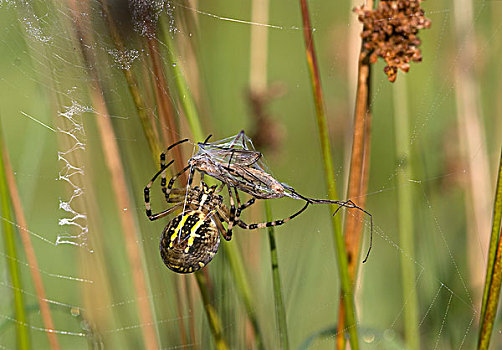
[[193, 233], [177, 229]]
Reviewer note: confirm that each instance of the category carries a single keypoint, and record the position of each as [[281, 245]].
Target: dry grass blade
[[122, 199], [119, 186], [30, 252], [21, 322], [166, 110], [358, 179]]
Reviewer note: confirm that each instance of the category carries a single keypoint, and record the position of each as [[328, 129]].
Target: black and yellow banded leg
[[243, 206], [232, 218], [163, 160], [166, 212], [167, 190], [146, 191], [271, 223]]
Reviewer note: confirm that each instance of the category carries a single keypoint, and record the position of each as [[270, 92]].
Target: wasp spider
[[191, 239]]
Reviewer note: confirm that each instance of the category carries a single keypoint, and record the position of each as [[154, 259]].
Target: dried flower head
[[391, 31]]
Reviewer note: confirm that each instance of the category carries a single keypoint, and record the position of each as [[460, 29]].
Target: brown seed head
[[391, 31]]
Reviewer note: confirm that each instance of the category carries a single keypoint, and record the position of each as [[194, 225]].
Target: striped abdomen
[[189, 242]]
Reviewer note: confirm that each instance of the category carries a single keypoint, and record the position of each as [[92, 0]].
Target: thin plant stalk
[[22, 334], [276, 278], [114, 164], [346, 285], [405, 213], [472, 137], [258, 84], [185, 95], [493, 270], [30, 252], [358, 176], [165, 107], [243, 286], [212, 316]]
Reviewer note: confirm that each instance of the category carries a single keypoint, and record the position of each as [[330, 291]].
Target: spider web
[[51, 135]]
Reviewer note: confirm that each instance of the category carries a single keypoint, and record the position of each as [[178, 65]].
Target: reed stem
[[405, 213], [493, 270], [358, 176], [276, 278], [346, 286]]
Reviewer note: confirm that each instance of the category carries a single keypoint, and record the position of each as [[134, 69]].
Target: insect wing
[[226, 155]]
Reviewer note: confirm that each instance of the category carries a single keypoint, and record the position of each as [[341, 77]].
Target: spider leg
[[238, 200], [167, 190], [207, 138], [218, 221], [352, 205], [146, 191], [163, 162], [235, 212], [243, 225], [244, 206], [232, 218], [163, 213]]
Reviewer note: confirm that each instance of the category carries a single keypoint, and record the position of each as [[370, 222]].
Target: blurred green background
[[454, 145]]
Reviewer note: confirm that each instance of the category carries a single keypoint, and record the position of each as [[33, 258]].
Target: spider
[[191, 239]]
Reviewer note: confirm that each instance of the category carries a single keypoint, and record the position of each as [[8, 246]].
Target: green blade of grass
[[493, 270], [184, 93], [280, 313], [212, 316], [242, 283], [343, 271], [405, 213], [22, 334]]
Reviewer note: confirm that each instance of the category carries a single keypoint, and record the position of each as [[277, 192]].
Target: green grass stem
[[243, 287], [343, 271], [22, 334], [493, 270], [405, 212], [280, 312], [184, 93], [212, 316]]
